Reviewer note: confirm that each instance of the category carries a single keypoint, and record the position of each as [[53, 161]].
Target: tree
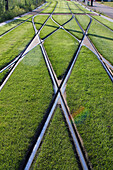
[[6, 5]]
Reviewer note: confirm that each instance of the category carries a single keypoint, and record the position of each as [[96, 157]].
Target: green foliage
[[56, 151], [23, 104], [17, 7]]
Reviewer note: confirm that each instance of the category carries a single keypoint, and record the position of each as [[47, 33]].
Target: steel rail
[[19, 23], [38, 31], [31, 158], [13, 62], [59, 93], [55, 31], [96, 19], [65, 29], [100, 58], [75, 140]]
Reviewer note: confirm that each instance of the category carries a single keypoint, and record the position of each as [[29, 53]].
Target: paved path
[[102, 8]]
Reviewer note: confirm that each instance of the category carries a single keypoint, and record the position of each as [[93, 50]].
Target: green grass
[[44, 6], [74, 8], [2, 75], [50, 8], [60, 48], [83, 20], [39, 20], [14, 42], [61, 19], [90, 98], [74, 29], [82, 8], [62, 7], [48, 28], [104, 21], [56, 151], [23, 103], [110, 4], [102, 39], [12, 24]]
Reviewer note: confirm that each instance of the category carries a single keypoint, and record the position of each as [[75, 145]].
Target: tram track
[[23, 21], [96, 19], [106, 64], [59, 92], [59, 89], [13, 64]]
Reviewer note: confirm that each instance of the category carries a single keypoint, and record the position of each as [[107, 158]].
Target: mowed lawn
[[24, 101], [56, 151], [90, 99]]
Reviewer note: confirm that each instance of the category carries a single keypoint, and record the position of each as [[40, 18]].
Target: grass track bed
[[12, 24], [61, 19], [74, 8], [50, 8], [82, 8], [60, 48], [14, 42], [49, 27], [104, 21], [83, 20], [62, 7], [90, 98], [56, 151], [23, 103], [102, 39], [39, 20], [74, 29]]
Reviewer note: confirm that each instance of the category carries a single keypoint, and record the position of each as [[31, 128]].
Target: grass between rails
[[56, 151], [50, 8], [74, 29], [14, 42], [39, 20], [62, 7], [61, 19], [23, 103], [83, 20], [102, 39], [74, 8], [82, 8], [60, 48], [12, 24], [49, 27], [104, 21], [90, 98]]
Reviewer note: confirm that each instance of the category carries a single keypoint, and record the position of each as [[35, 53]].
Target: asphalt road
[[104, 9]]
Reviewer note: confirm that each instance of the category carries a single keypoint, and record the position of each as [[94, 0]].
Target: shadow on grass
[[103, 37]]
